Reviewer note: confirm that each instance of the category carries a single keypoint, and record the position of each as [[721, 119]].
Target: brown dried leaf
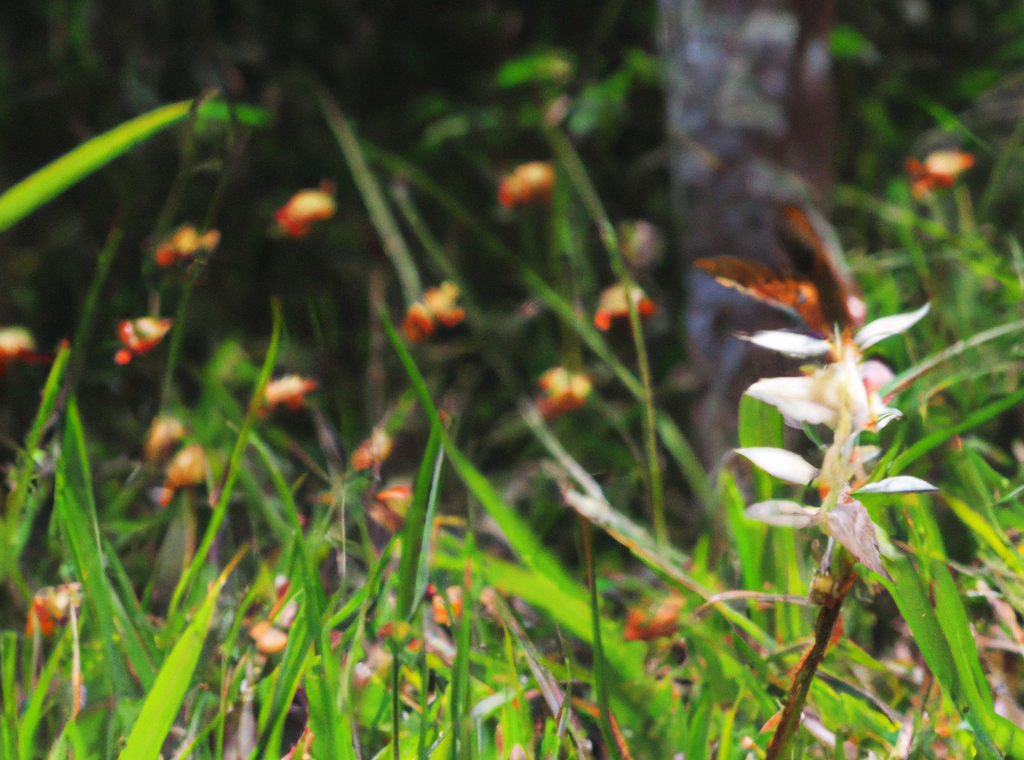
[[850, 525]]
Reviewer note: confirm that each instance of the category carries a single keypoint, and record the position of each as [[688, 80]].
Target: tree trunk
[[749, 118]]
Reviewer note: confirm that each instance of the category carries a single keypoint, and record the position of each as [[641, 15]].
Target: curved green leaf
[[32, 192]]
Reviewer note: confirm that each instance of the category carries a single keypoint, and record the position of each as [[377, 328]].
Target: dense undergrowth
[[475, 565]]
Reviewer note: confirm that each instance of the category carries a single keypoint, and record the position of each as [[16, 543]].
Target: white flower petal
[[782, 464], [898, 484], [782, 513], [796, 398], [789, 343], [885, 327]]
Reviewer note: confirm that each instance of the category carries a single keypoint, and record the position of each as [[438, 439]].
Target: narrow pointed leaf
[[165, 698], [782, 464], [898, 484], [789, 343], [783, 513], [886, 327]]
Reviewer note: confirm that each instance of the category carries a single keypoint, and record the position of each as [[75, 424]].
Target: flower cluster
[[140, 336], [527, 183], [613, 304], [563, 392], [289, 391], [939, 170], [437, 304], [296, 217], [843, 395], [185, 244]]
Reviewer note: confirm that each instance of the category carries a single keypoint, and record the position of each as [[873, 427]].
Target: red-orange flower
[[418, 324], [372, 451], [52, 605], [437, 304], [289, 390], [139, 336], [527, 183], [18, 345], [642, 626], [939, 170], [305, 207], [392, 504], [184, 244], [612, 303], [188, 468], [563, 391]]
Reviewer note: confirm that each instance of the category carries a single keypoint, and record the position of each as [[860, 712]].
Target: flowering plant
[[844, 396]]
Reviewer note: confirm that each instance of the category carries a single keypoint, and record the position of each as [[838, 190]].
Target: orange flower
[[641, 626], [612, 303], [440, 302], [418, 325], [51, 605], [305, 207], [563, 391], [184, 244], [939, 170], [163, 434], [372, 451], [18, 345], [289, 390], [188, 468], [437, 304], [139, 336], [392, 504], [527, 183]]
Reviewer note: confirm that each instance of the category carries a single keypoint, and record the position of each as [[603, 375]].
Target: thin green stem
[[578, 175], [380, 214], [600, 675], [234, 463], [177, 335], [85, 324]]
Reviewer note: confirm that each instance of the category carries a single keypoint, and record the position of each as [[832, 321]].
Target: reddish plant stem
[[804, 676]]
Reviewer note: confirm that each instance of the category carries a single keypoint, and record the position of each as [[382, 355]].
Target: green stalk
[[578, 175], [600, 677], [380, 215], [234, 463]]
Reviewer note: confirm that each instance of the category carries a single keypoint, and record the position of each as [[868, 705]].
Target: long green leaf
[[165, 698], [939, 437], [424, 493], [234, 464], [76, 512], [32, 192]]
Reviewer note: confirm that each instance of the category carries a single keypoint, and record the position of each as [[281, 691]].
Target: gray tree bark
[[749, 118]]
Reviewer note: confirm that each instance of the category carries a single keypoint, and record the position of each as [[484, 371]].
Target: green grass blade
[[9, 692], [32, 192], [12, 536], [939, 437], [424, 497], [165, 698], [234, 463], [33, 712], [76, 513]]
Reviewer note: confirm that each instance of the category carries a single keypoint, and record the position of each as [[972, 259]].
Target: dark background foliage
[[417, 79]]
